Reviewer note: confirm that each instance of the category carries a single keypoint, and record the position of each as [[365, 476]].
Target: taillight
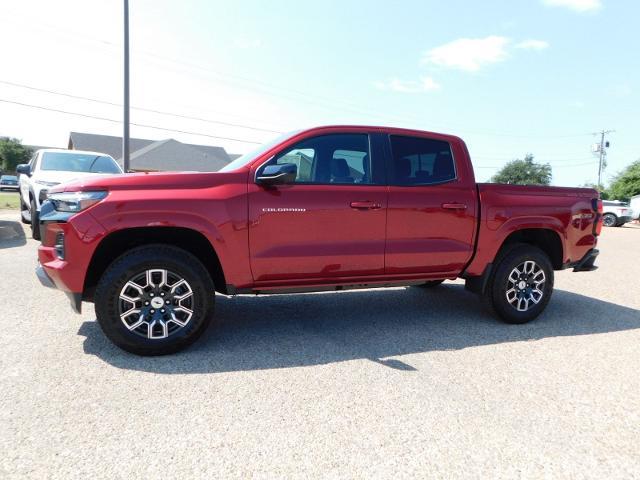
[[596, 204]]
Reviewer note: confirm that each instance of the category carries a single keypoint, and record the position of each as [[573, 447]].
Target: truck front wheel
[[35, 221], [154, 300], [521, 284]]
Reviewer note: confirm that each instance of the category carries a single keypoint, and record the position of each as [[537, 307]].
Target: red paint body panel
[[299, 231], [423, 236], [508, 208], [316, 235]]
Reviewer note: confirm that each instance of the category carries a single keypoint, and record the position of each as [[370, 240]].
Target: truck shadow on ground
[[254, 333], [11, 234]]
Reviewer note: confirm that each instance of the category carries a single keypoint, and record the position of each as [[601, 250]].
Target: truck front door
[[329, 222]]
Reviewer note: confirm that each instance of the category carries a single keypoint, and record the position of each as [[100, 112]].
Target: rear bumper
[[586, 263]]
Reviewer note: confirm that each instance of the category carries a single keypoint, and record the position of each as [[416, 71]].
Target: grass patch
[[10, 200]]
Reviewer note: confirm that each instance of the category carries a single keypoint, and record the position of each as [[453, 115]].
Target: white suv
[[50, 167], [615, 213]]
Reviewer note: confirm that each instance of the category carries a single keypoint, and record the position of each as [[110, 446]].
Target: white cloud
[[469, 54], [425, 84], [532, 44], [576, 5]]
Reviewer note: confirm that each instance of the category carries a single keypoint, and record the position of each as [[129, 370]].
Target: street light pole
[[125, 133]]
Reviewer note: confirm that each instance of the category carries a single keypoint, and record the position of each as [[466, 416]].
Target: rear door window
[[421, 161]]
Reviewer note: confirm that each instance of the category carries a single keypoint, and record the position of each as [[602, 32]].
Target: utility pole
[[601, 149], [125, 133]]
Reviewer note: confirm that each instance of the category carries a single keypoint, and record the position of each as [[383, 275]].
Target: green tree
[[626, 183], [604, 193], [12, 152], [524, 172]]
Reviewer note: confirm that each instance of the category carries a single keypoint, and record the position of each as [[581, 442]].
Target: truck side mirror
[[24, 169], [277, 174]]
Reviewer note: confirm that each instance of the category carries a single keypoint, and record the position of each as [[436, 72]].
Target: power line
[[155, 127], [150, 110], [332, 102]]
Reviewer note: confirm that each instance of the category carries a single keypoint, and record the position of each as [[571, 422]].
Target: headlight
[[75, 201], [47, 184]]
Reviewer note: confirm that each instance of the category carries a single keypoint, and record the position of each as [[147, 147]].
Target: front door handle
[[454, 206], [366, 205]]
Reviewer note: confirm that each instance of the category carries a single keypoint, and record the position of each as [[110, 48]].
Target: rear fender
[[491, 240]]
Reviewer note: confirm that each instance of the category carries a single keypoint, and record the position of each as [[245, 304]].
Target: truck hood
[[152, 181], [57, 176]]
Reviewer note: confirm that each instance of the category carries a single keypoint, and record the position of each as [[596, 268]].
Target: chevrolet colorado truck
[[326, 208]]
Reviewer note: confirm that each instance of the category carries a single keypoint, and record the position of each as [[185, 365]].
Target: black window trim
[[390, 163], [279, 153]]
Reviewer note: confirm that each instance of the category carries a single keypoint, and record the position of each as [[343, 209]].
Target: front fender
[[222, 222]]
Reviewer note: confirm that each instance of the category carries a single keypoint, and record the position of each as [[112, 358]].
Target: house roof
[[171, 155], [104, 143], [159, 155]]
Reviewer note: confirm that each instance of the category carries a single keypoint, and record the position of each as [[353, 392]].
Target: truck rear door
[[432, 205]]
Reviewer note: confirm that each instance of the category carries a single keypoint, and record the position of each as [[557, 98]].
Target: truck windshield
[[79, 162], [247, 158]]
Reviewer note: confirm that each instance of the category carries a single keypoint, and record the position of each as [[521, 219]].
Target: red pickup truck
[[326, 208]]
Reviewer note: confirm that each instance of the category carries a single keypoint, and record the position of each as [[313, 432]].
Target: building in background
[[155, 155]]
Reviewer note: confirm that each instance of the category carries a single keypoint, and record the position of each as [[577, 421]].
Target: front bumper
[[74, 298], [9, 187], [45, 280], [66, 272]]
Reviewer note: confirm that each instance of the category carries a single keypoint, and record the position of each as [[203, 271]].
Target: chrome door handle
[[454, 206], [365, 205]]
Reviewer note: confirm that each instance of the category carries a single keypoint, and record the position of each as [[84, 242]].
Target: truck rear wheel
[[521, 284], [154, 300]]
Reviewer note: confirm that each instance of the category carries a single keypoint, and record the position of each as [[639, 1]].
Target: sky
[[509, 77]]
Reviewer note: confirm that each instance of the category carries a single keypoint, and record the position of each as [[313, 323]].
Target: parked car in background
[[9, 182], [616, 213], [322, 209], [50, 167], [635, 207]]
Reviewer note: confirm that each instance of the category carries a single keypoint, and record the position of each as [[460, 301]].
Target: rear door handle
[[366, 205], [454, 206]]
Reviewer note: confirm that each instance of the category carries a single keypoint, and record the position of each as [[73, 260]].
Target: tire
[[35, 221], [609, 220], [519, 301], [126, 271], [430, 284], [24, 208]]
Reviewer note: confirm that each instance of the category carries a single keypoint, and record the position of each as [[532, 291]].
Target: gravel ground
[[388, 383]]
